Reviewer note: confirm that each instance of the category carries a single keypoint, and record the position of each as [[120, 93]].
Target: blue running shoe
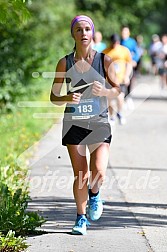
[[95, 208], [80, 225]]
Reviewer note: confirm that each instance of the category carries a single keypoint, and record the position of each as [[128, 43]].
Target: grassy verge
[[18, 131]]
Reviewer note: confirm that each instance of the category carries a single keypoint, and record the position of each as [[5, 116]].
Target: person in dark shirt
[[85, 123]]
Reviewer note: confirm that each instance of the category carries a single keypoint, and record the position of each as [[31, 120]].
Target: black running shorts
[[86, 133]]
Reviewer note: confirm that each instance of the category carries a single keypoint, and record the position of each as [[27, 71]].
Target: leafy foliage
[[10, 243], [31, 47], [117, 13], [14, 200], [14, 10], [20, 55]]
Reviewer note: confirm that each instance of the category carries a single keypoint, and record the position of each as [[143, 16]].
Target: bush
[[14, 200], [19, 57], [10, 243], [25, 48]]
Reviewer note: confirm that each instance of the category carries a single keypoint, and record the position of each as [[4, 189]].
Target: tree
[[26, 47], [109, 16], [14, 10]]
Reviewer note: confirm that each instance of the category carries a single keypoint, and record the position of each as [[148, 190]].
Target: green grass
[[19, 130]]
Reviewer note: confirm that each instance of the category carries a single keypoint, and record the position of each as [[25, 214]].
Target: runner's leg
[[98, 165], [80, 169]]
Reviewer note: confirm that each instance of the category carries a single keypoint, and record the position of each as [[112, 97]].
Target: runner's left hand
[[98, 89]]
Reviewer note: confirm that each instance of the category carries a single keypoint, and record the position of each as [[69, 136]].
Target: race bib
[[86, 109]]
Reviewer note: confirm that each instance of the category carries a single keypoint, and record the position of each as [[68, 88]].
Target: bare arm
[[55, 96], [99, 90]]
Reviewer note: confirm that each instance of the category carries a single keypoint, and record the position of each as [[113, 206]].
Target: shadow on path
[[60, 214]]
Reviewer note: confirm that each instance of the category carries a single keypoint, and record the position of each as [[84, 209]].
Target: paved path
[[135, 210]]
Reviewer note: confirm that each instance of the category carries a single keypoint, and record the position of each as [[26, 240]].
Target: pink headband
[[82, 18]]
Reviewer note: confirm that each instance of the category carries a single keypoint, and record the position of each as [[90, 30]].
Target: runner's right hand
[[74, 98]]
